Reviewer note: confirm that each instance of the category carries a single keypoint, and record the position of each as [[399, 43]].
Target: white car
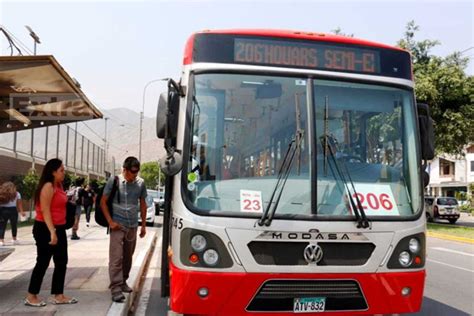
[[150, 211], [443, 207], [156, 195]]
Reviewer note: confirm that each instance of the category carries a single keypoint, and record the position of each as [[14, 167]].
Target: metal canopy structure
[[35, 91]]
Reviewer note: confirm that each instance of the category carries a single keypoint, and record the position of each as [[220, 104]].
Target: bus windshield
[[242, 126]]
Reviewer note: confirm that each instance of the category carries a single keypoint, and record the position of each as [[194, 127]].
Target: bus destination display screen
[[301, 53], [315, 56]]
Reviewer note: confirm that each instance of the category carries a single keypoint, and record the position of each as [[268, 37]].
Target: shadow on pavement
[[157, 305], [434, 308]]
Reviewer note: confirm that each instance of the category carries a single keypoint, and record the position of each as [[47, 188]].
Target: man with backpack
[[128, 192], [74, 195]]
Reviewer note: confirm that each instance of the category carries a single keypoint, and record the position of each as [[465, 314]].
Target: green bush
[[466, 208], [26, 185]]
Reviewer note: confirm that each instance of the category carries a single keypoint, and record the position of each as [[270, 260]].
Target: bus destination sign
[[306, 55]]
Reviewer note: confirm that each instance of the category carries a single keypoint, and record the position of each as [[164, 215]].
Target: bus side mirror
[[167, 115], [167, 128], [426, 132], [171, 164], [161, 115]]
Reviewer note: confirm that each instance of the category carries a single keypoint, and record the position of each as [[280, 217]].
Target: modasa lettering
[[310, 236]]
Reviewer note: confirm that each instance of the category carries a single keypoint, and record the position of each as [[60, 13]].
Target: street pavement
[[449, 288], [150, 302], [86, 278], [466, 220]]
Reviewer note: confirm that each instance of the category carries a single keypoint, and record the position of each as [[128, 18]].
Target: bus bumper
[[231, 293]]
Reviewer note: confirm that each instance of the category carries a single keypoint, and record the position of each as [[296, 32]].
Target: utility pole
[[105, 142], [35, 37], [140, 136], [159, 176]]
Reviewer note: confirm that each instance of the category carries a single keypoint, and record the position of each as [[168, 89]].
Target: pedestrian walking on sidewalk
[[123, 224], [74, 195], [10, 206], [88, 199], [50, 235]]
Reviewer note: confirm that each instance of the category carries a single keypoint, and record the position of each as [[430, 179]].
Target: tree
[[443, 84], [338, 31], [69, 180], [149, 171], [96, 184], [28, 188]]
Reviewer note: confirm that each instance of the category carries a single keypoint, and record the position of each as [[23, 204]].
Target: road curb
[[134, 279], [453, 238]]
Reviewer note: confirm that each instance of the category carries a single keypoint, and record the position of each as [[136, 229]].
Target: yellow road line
[[450, 237]]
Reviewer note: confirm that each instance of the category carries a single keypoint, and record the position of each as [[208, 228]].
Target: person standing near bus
[[50, 235], [88, 198], [10, 206], [123, 224], [74, 195]]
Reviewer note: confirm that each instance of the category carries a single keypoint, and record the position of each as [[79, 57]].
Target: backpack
[[99, 214]]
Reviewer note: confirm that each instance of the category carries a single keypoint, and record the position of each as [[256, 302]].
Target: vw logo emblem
[[313, 253]]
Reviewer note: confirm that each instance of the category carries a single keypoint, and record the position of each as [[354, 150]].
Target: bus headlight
[[404, 259], [198, 243], [414, 245], [210, 257], [409, 253]]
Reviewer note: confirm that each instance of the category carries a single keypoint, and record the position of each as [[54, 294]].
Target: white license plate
[[309, 304]]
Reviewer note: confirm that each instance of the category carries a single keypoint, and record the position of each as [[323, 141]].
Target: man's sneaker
[[126, 288], [75, 237], [16, 242], [2, 244], [118, 297]]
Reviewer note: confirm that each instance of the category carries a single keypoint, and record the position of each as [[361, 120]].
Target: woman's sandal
[[72, 300], [39, 304]]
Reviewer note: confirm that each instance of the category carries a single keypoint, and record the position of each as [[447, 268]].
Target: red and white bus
[[294, 165]]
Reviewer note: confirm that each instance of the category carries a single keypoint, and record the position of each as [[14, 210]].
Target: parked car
[[161, 200], [150, 211], [156, 199], [443, 207]]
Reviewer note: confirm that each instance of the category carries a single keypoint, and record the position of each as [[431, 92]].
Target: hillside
[[123, 128]]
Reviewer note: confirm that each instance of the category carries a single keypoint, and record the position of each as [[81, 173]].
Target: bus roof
[[312, 36]]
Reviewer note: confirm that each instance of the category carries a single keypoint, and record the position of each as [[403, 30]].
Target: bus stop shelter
[[35, 91]]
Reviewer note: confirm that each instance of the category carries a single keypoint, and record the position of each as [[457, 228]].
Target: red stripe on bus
[[230, 293]]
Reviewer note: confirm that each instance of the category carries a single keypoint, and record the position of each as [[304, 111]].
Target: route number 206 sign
[[376, 199]]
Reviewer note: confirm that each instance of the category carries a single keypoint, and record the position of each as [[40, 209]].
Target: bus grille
[[278, 295], [291, 253]]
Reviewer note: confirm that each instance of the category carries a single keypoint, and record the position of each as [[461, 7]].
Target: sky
[[114, 48]]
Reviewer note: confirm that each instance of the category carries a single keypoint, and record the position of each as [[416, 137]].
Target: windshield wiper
[[330, 144], [283, 174]]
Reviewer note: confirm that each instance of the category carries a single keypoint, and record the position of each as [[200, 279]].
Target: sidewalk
[[86, 278]]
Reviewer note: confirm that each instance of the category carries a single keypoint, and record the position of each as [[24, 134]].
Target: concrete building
[[449, 174]]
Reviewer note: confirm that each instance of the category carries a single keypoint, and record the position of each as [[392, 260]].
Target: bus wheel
[[452, 221]]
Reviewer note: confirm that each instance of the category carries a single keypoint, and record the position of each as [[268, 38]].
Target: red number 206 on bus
[[376, 200]]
